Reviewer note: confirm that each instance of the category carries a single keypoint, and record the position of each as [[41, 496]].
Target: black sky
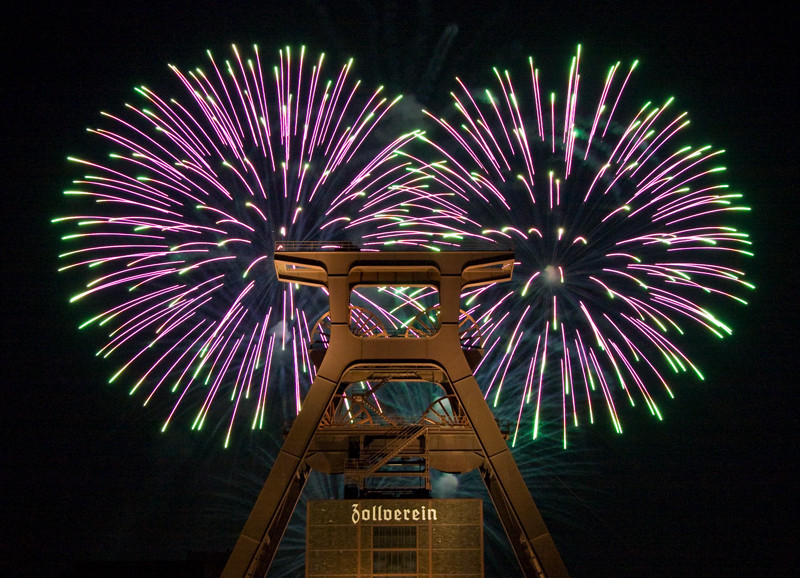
[[86, 474]]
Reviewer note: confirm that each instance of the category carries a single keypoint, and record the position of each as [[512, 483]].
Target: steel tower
[[444, 352]]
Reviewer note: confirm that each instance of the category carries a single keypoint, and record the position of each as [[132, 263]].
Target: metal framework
[[458, 435]]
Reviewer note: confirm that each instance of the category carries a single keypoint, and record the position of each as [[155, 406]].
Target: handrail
[[470, 245], [312, 246]]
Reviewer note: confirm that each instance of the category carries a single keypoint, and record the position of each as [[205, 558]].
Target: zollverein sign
[[408, 537]]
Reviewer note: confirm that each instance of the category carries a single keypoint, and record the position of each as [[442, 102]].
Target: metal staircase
[[385, 453]]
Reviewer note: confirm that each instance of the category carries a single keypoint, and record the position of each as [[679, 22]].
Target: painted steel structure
[[437, 356]]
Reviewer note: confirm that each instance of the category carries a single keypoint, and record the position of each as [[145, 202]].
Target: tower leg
[[255, 549], [534, 547]]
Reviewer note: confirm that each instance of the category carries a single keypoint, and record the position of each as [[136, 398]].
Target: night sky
[[87, 475]]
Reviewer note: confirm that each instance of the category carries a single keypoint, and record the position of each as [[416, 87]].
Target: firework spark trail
[[617, 226], [188, 206]]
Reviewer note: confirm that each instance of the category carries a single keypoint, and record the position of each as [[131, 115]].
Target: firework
[[184, 213], [621, 234]]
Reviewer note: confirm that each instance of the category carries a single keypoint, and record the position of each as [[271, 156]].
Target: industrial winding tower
[[339, 432]]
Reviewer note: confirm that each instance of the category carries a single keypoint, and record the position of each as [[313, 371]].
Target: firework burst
[[183, 218], [619, 229]]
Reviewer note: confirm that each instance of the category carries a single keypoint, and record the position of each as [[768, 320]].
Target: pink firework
[[623, 235]]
